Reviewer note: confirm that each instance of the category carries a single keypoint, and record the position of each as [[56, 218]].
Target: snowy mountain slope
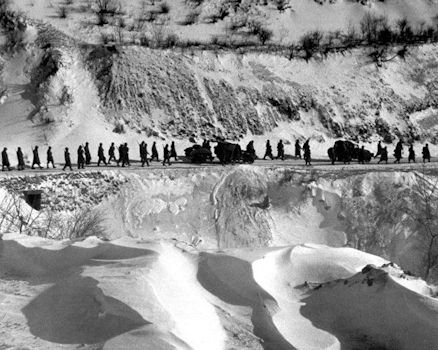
[[63, 91], [189, 300]]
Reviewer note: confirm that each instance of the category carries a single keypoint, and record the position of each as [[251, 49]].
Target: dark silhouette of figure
[[297, 149], [398, 151], [166, 155], [411, 156], [20, 159], [87, 154], [307, 153], [280, 150], [111, 153], [383, 155], [268, 151], [154, 152], [379, 149], [125, 160], [250, 147], [101, 155], [173, 151], [426, 153], [67, 159], [144, 154], [361, 155], [121, 149], [5, 160], [50, 157], [81, 158], [36, 158]]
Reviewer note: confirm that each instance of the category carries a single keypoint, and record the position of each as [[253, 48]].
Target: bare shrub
[[121, 22], [16, 215], [170, 40], [104, 8], [310, 43], [163, 8], [282, 5], [264, 35], [145, 40], [107, 6], [119, 35], [106, 38], [62, 11], [85, 223], [190, 18], [375, 28], [257, 28]]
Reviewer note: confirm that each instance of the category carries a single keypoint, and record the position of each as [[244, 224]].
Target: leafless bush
[[190, 18], [107, 6], [121, 22], [62, 11], [16, 215], [282, 5], [257, 28], [163, 8], [119, 34], [104, 8], [145, 40], [310, 43], [86, 223]]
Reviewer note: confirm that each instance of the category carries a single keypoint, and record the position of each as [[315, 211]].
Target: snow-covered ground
[[63, 90], [131, 294], [267, 256]]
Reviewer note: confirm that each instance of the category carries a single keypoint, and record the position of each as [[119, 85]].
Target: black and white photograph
[[219, 175]]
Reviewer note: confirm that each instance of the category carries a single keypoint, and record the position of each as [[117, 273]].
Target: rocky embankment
[[194, 93], [382, 213]]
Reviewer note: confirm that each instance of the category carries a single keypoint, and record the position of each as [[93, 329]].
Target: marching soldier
[[101, 155], [81, 158], [87, 154], [154, 152], [67, 159], [50, 158], [36, 158], [5, 160], [268, 151], [166, 155], [111, 153], [20, 159]]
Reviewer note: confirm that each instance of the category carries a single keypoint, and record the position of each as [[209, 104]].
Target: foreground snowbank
[[137, 294]]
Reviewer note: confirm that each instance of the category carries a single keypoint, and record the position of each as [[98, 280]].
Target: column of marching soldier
[[84, 155]]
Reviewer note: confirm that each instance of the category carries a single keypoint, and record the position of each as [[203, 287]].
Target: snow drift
[[132, 294]]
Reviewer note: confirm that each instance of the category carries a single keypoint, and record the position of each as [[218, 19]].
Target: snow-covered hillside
[[256, 257], [62, 89]]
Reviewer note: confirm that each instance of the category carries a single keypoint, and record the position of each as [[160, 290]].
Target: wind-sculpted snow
[[161, 295]]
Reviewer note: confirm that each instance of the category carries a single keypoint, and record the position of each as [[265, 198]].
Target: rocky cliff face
[[131, 90], [231, 95]]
